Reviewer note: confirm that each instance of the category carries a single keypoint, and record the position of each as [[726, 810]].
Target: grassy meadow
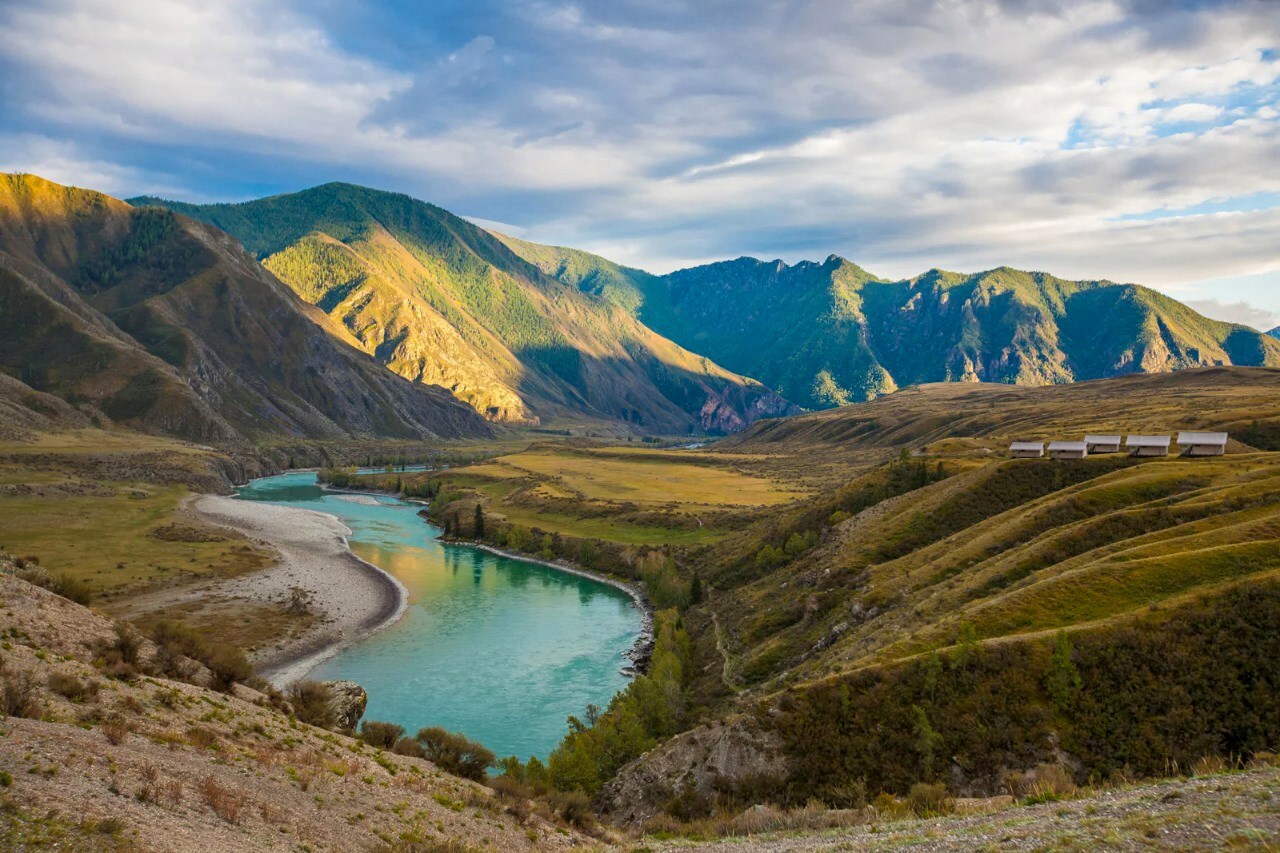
[[106, 509]]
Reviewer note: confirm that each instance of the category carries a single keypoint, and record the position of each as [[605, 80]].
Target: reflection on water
[[501, 650]]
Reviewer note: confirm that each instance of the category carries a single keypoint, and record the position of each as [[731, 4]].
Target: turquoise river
[[501, 650]]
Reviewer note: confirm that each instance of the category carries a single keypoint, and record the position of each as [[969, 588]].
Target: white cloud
[[1237, 312], [902, 133]]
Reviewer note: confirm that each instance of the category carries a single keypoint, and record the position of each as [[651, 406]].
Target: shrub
[[851, 795], [928, 799], [1050, 782], [312, 703], [410, 747], [115, 730], [127, 643], [379, 734], [20, 696], [67, 685], [455, 754], [228, 665], [225, 803], [574, 808], [510, 789]]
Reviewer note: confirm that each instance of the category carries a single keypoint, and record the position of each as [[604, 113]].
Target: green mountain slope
[[439, 300], [830, 334], [145, 318]]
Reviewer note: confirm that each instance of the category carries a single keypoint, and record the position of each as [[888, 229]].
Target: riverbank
[[352, 597], [642, 650]]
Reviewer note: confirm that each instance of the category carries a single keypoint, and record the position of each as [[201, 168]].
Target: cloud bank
[[1135, 140]]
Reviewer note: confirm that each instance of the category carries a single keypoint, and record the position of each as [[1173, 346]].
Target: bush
[[115, 730], [20, 697], [1047, 783], [455, 754], [225, 803], [379, 734], [928, 799], [574, 808], [312, 703], [67, 685], [410, 747], [174, 641], [126, 645], [228, 665]]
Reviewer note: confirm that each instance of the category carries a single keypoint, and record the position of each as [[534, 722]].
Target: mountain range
[[345, 311], [830, 334], [440, 300]]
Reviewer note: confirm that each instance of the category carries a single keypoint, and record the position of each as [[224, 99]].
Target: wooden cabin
[[1147, 445], [1202, 443], [1068, 450], [1103, 443], [1026, 449]]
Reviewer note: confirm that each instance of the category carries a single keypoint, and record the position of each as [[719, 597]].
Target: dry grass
[[655, 479]]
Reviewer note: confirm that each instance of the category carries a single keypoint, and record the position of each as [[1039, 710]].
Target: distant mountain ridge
[[148, 319], [832, 333], [442, 301]]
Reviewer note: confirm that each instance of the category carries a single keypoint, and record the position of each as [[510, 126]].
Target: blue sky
[[1136, 140]]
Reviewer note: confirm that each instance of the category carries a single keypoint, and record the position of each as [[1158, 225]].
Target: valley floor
[[1227, 811]]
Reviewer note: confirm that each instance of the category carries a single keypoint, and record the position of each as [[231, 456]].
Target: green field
[[86, 504]]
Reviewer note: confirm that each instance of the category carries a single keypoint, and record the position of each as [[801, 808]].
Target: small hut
[[1068, 449], [1026, 449], [1202, 443], [1147, 445], [1103, 443]]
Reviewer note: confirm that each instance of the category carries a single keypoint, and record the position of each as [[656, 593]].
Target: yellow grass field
[[654, 481]]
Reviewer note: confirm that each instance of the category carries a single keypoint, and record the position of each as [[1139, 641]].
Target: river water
[[501, 650]]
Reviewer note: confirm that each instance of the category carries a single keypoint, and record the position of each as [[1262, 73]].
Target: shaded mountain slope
[[151, 320], [439, 300], [830, 334]]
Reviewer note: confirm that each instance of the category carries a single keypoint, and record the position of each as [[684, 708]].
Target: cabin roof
[[1067, 445], [1218, 438], [1147, 441], [1027, 445], [1102, 439]]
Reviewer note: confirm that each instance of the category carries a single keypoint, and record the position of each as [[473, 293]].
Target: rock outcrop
[[722, 754]]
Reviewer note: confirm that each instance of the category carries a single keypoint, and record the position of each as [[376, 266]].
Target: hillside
[[147, 319], [884, 599], [112, 742], [830, 334], [441, 301]]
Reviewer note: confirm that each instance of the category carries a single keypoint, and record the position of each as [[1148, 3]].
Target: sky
[[1133, 140]]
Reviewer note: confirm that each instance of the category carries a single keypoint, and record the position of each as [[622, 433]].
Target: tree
[[695, 590], [927, 740], [1062, 679], [479, 531]]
